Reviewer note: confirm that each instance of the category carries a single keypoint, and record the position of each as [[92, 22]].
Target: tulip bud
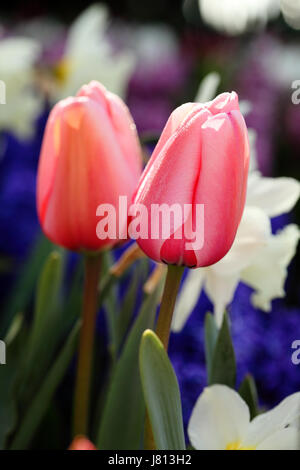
[[90, 156], [81, 443], [198, 168]]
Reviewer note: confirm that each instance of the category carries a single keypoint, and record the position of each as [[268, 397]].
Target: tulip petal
[[48, 159], [123, 124], [223, 103], [126, 134], [81, 443], [222, 183], [163, 184], [201, 161], [81, 166], [219, 418], [273, 195], [173, 123]]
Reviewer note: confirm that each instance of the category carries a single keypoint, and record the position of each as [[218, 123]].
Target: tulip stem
[[86, 345], [171, 288], [163, 328]]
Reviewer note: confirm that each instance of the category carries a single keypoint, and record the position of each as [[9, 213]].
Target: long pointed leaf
[[8, 379], [23, 290], [211, 336], [122, 421], [45, 333], [37, 409], [248, 392], [161, 392], [223, 369]]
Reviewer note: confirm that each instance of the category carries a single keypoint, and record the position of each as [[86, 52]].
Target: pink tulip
[[81, 443], [201, 158], [90, 156]]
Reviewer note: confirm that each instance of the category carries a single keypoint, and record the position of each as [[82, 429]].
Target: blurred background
[[154, 54]]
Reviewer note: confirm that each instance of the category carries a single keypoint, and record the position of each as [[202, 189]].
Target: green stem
[[164, 321], [86, 345], [163, 328]]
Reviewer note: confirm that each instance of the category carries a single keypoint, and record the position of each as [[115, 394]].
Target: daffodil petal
[[18, 56], [286, 439], [89, 56], [208, 87], [220, 289], [273, 195], [253, 234], [219, 418], [187, 298], [268, 272], [268, 424]]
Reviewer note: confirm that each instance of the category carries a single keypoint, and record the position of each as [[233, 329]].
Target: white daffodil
[[20, 105], [291, 12], [89, 56], [235, 16], [208, 87], [257, 257], [221, 421]]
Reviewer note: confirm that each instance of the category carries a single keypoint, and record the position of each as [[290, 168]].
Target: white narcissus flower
[[89, 56], [235, 16], [257, 257], [291, 12], [221, 421], [268, 273], [208, 87], [17, 74]]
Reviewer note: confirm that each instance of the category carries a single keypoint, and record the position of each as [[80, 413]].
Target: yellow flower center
[[238, 446], [62, 70]]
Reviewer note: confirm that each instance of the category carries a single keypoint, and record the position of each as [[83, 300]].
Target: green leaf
[[45, 331], [23, 290], [248, 392], [73, 303], [223, 368], [118, 321], [122, 422], [107, 280], [110, 308], [14, 342], [8, 407], [108, 295], [161, 393], [41, 401], [124, 317], [47, 295], [211, 335], [14, 330]]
